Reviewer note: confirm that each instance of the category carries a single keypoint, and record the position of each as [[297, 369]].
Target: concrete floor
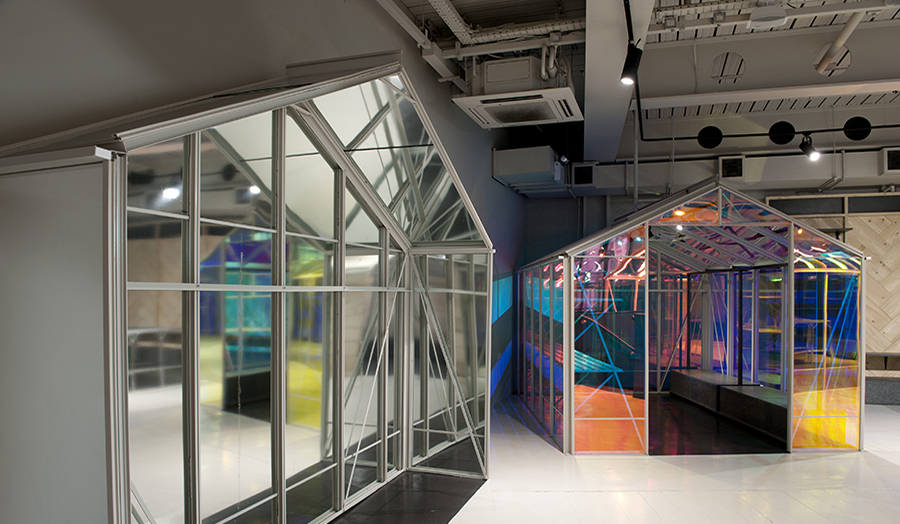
[[531, 481]]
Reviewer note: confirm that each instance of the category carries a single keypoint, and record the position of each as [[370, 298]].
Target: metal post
[[687, 334], [861, 352], [568, 355], [646, 230], [552, 428], [754, 337], [191, 332], [487, 370], [729, 323], [382, 345], [659, 323], [337, 394], [278, 375], [740, 326], [788, 350]]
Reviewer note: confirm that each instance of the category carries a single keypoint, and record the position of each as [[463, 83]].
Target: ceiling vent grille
[[508, 93]]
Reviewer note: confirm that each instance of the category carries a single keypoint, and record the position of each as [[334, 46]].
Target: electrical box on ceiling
[[528, 168], [890, 161], [508, 93]]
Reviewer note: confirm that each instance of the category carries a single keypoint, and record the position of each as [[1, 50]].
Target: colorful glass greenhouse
[[708, 295]]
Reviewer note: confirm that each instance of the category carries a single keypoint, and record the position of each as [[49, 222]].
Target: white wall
[[67, 64], [52, 403]]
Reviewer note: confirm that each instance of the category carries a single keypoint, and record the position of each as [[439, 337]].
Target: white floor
[[530, 481]]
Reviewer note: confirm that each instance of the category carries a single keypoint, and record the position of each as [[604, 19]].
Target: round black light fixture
[[782, 133], [709, 137], [857, 128]]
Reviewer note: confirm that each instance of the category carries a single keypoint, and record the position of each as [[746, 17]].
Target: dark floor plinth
[[678, 427], [414, 498]]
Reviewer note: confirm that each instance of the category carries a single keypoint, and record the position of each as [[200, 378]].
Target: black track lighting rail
[[640, 111]]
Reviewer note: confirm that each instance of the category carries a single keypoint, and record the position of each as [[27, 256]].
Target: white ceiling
[[769, 76]]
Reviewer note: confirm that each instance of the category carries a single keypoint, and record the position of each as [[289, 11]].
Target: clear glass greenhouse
[[298, 296], [708, 294]]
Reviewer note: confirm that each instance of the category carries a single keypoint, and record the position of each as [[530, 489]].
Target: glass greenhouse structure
[[298, 297], [708, 294]]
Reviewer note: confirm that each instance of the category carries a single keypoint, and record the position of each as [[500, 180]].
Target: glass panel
[[310, 499], [701, 210], [235, 256], [769, 326], [826, 353], [235, 429], [155, 447], [446, 216], [739, 209], [308, 378], [557, 326], [360, 228], [309, 262], [363, 362], [155, 179], [353, 112], [361, 267], [610, 346], [309, 186], [154, 248], [262, 514], [721, 355], [236, 171]]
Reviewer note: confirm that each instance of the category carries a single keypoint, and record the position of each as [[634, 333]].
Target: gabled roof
[[711, 226]]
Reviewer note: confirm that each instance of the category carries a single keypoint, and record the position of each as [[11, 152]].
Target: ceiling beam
[[800, 12], [430, 51], [775, 93]]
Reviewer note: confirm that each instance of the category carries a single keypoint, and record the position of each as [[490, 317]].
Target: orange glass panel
[[610, 436], [606, 403]]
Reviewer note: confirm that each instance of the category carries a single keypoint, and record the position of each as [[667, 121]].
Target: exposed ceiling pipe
[[839, 42], [704, 21], [431, 53], [469, 36]]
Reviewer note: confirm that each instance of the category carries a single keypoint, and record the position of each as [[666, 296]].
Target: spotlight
[[808, 149], [679, 212], [679, 227], [632, 61], [254, 190]]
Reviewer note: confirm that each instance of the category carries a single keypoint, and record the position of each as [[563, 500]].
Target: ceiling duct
[[508, 93], [469, 36]]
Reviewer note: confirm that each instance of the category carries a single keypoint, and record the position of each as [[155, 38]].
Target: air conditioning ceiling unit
[[508, 93]]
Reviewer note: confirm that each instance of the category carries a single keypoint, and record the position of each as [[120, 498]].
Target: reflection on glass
[[310, 262], [235, 256], [826, 353], [307, 433], [363, 362], [155, 176], [235, 430], [309, 186], [736, 208], [609, 378], [769, 327], [310, 499], [701, 210], [236, 171], [361, 266], [155, 447], [359, 226], [154, 248]]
